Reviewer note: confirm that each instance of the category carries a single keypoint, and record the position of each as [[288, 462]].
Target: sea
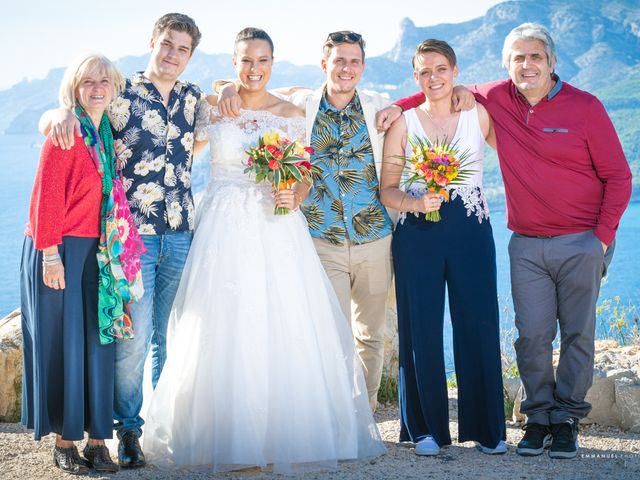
[[19, 156]]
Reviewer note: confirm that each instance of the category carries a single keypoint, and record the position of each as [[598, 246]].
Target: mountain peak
[[406, 24]]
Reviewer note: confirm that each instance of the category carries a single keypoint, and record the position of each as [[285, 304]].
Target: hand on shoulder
[[61, 125]]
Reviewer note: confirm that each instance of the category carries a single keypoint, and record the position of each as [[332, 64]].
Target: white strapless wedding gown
[[261, 367]]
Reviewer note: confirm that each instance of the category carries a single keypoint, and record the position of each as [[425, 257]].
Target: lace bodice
[[230, 138]]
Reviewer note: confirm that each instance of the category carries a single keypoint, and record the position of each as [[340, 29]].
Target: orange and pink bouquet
[[435, 166], [280, 161]]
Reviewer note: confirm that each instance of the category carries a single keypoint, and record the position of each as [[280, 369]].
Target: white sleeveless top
[[469, 138]]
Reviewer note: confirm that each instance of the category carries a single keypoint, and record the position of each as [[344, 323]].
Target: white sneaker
[[427, 446], [498, 450]]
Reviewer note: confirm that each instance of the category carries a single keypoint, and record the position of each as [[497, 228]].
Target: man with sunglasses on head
[[351, 229]]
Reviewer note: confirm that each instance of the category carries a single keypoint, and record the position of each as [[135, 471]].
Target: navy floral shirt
[[155, 145], [344, 203]]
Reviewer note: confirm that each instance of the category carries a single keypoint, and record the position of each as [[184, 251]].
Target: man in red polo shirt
[[567, 183]]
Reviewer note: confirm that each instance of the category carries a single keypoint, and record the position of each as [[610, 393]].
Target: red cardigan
[[66, 196]]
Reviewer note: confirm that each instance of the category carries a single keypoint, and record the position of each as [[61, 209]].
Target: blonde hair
[[83, 66]]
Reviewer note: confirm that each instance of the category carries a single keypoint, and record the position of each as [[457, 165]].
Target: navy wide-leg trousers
[[68, 375], [456, 253]]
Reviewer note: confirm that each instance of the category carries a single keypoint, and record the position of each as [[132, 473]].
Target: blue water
[[18, 161], [19, 158]]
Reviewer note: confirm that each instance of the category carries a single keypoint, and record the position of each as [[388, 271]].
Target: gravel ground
[[604, 453]]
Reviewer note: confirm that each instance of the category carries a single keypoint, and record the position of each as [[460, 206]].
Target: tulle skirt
[[261, 367]]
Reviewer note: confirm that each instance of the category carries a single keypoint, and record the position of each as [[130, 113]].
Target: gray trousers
[[556, 281]]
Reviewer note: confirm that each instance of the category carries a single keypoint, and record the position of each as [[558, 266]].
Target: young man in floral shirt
[[153, 124]]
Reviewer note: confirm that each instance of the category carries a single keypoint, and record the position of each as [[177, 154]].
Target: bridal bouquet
[[280, 161], [435, 166]]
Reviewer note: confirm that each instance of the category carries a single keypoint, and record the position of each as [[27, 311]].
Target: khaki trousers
[[361, 276]]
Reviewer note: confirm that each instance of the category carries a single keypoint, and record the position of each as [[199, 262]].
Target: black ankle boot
[[68, 460], [99, 458]]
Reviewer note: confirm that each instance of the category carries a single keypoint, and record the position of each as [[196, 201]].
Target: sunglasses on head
[[344, 36]]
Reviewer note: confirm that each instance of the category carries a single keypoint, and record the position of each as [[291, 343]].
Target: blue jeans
[[161, 271]]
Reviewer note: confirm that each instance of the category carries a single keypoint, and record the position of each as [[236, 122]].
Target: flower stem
[[432, 216]]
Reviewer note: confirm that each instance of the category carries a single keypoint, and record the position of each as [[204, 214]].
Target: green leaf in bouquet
[[289, 150], [276, 179], [295, 172], [292, 159]]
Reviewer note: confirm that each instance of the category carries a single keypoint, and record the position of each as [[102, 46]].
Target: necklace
[[441, 130]]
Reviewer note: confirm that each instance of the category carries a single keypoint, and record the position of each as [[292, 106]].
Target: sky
[[38, 35]]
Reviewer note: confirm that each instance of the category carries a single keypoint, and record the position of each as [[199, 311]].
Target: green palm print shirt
[[344, 203]]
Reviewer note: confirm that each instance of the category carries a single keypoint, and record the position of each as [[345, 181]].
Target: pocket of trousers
[[601, 253]]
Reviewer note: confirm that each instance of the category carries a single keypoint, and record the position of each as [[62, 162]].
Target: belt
[[538, 236]]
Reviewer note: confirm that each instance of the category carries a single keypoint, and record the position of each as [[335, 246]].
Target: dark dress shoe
[[68, 460], [99, 458], [129, 452]]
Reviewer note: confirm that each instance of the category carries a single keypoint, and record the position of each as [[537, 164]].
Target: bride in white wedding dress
[[261, 367]]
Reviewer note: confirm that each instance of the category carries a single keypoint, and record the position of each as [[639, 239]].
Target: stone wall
[[10, 367], [615, 393]]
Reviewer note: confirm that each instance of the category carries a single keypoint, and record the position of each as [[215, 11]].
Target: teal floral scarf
[[120, 245]]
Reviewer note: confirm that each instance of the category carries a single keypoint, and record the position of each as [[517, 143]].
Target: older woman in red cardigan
[[73, 287]]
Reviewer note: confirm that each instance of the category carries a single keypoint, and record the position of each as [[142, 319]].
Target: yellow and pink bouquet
[[280, 161], [435, 165]]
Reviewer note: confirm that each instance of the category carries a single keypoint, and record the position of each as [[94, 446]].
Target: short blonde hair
[[83, 66]]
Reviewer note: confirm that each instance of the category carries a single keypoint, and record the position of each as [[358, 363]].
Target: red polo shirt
[[562, 163], [66, 196]]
